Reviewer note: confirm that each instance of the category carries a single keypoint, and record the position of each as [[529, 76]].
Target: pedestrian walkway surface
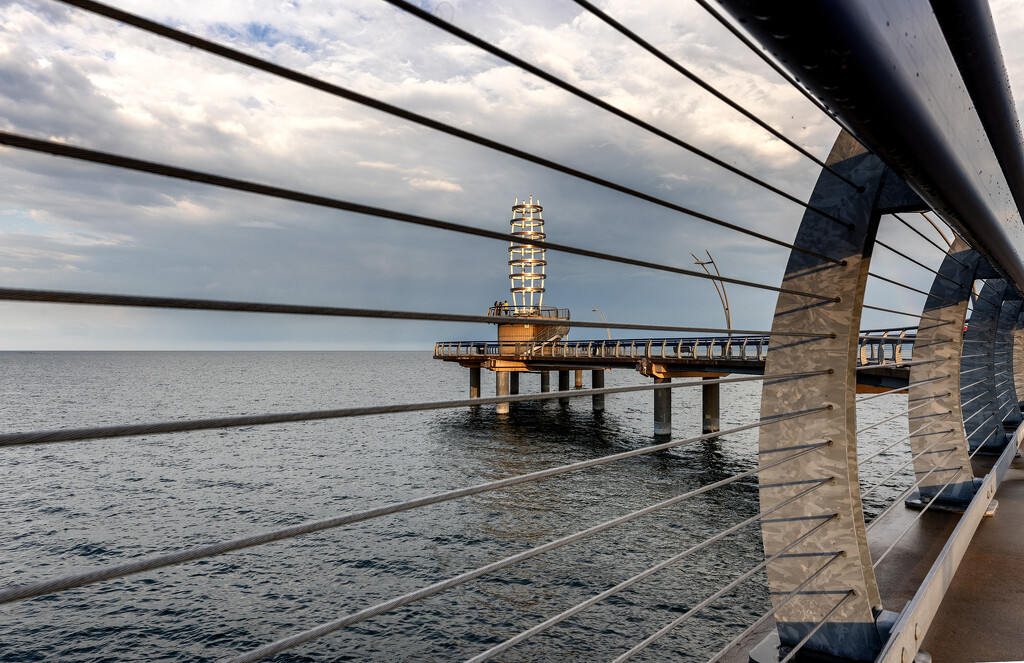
[[982, 614]]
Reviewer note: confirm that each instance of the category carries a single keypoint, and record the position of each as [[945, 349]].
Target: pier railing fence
[[961, 376]]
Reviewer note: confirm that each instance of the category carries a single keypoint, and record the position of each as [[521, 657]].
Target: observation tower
[[527, 265]]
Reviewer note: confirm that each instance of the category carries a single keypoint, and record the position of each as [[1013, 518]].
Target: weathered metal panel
[[851, 632], [982, 422], [940, 340], [1018, 356], [1005, 389]]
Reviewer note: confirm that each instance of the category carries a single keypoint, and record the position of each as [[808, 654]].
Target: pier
[[903, 278], [882, 358]]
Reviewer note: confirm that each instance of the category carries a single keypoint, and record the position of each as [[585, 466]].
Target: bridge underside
[[870, 379]]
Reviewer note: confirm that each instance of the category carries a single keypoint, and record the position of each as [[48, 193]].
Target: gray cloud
[[93, 83]]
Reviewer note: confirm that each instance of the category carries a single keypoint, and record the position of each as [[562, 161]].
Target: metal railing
[[962, 389], [529, 311], [739, 348]]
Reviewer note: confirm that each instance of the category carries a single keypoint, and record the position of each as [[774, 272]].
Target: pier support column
[[579, 378], [545, 382], [474, 383], [563, 385], [711, 401], [662, 409], [513, 383], [501, 382], [597, 382]]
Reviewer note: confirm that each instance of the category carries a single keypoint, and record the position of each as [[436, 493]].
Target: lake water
[[73, 506]]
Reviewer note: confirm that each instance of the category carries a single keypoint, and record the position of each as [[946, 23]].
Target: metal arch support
[[982, 423], [935, 383], [1006, 391], [851, 633], [1018, 356]]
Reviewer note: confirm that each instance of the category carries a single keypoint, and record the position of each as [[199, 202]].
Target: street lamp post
[[597, 309], [719, 286]]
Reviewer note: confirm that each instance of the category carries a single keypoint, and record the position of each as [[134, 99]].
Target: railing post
[[982, 423], [936, 385], [851, 632]]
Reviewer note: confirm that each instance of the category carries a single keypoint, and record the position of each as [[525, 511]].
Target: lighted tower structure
[[527, 265], [526, 262]]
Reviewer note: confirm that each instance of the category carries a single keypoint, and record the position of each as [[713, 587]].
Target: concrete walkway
[[982, 614]]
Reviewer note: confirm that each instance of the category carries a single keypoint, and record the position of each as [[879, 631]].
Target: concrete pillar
[[513, 383], [474, 383], [711, 407], [579, 378], [545, 382], [563, 385], [501, 389], [597, 382], [662, 409]]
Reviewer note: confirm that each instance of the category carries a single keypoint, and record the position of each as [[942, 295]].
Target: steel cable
[[911, 288], [909, 315], [775, 608], [981, 445], [983, 393], [918, 263], [296, 77], [979, 428], [927, 401], [604, 105], [129, 163], [976, 413], [918, 383], [904, 495], [889, 446], [912, 458], [767, 60], [901, 364], [21, 592], [157, 428], [917, 518], [629, 582], [945, 251], [798, 646], [416, 595], [143, 301], [973, 384], [710, 89], [681, 619]]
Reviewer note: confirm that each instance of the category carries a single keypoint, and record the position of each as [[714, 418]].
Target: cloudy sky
[[71, 76]]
